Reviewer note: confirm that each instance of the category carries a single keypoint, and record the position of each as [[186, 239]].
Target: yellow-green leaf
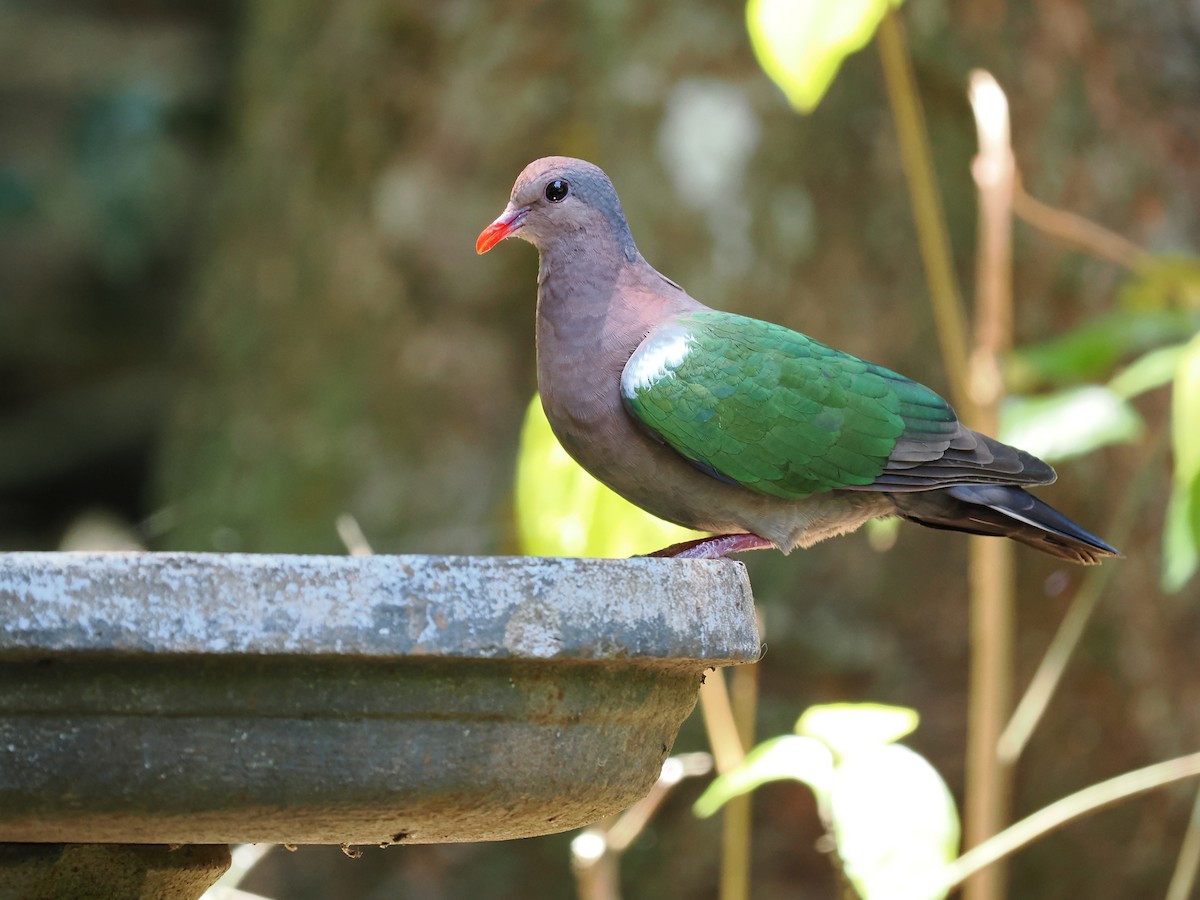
[[800, 44], [848, 727], [1069, 423], [563, 511], [1149, 371], [1181, 533], [1185, 413], [802, 759], [895, 823]]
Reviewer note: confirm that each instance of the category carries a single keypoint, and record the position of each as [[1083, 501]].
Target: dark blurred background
[[239, 297]]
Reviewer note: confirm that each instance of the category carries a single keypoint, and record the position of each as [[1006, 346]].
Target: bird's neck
[[595, 305], [578, 294]]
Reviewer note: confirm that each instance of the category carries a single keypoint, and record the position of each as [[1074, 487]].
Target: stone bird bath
[[208, 699]]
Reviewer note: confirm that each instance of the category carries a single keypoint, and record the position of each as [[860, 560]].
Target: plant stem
[[736, 821], [596, 851], [988, 780], [992, 568], [1059, 813], [934, 241], [721, 721]]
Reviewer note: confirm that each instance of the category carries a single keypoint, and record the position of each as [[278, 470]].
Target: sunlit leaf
[[1181, 555], [895, 823], [563, 511], [1092, 350], [1068, 423], [788, 757], [1181, 534], [1185, 413], [800, 44], [882, 533], [1152, 370], [848, 727]]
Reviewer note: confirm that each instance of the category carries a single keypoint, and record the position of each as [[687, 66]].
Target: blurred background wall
[[239, 297]]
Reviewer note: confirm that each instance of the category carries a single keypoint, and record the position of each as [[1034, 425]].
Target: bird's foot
[[716, 547]]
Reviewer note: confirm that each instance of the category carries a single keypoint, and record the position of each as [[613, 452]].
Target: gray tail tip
[[1045, 528], [1008, 511]]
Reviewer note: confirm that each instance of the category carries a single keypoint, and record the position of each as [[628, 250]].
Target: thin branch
[[633, 821], [352, 536], [1086, 235], [242, 859], [1059, 813], [1184, 877], [596, 851]]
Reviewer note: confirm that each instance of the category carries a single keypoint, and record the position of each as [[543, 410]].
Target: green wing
[[773, 410]]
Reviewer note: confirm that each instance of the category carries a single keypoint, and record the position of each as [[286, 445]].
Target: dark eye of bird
[[556, 190]]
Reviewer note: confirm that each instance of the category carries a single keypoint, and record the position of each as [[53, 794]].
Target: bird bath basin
[[215, 699]]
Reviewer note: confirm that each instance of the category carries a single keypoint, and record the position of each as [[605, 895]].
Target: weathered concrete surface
[[108, 871], [174, 698]]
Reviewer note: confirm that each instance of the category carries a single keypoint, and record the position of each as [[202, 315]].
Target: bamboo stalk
[[721, 721], [738, 812], [932, 236], [992, 567]]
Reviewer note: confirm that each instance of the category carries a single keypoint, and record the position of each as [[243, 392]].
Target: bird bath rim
[[212, 698]]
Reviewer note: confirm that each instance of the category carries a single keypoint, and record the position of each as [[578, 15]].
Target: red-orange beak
[[509, 222]]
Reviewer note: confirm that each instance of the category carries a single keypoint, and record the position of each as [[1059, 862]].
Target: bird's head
[[559, 197]]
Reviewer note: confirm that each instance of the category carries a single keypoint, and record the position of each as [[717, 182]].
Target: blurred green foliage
[[564, 511], [1094, 348], [1157, 323], [1181, 540], [891, 815]]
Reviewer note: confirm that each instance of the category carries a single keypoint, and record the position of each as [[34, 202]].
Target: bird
[[759, 435]]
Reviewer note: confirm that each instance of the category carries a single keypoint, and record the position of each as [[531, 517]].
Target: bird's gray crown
[[587, 182]]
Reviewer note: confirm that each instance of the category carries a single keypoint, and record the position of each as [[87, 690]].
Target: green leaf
[[1185, 414], [1181, 555], [895, 823], [800, 44], [788, 757], [1147, 372], [1068, 423], [893, 817], [1092, 350], [1181, 534], [563, 511], [848, 727]]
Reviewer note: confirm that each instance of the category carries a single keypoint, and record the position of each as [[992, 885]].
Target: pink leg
[[716, 547]]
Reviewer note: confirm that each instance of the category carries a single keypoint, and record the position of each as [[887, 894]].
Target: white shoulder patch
[[656, 356]]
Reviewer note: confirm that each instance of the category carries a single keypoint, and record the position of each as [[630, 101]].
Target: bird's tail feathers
[[1004, 511]]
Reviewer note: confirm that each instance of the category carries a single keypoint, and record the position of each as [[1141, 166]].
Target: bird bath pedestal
[[191, 701]]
